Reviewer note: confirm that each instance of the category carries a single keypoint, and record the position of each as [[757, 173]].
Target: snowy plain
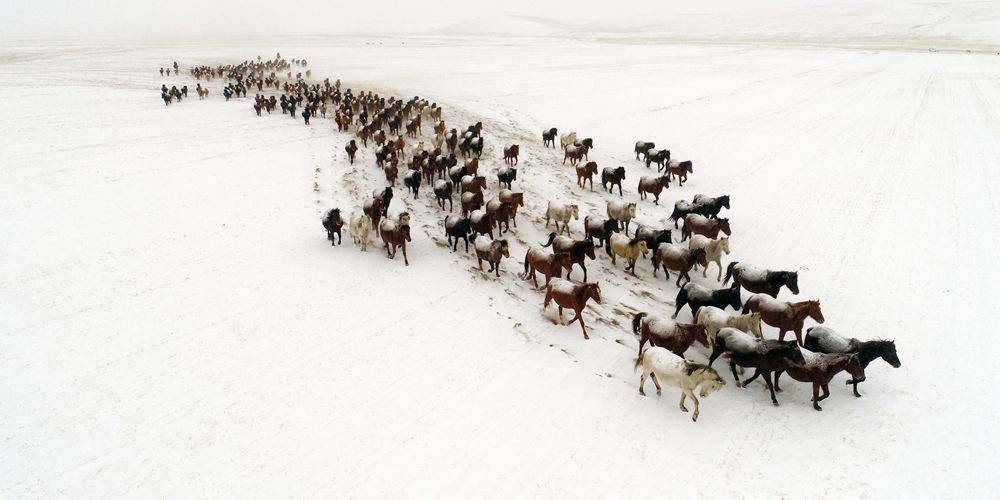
[[173, 322]]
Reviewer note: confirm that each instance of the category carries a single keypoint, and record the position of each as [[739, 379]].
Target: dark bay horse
[[611, 177], [675, 337], [653, 186], [785, 316], [819, 370], [766, 356], [710, 206], [569, 295], [333, 224], [826, 340]]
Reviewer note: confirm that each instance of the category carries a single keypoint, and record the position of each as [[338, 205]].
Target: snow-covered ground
[[174, 323]]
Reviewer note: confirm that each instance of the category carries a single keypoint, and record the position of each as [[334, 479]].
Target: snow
[[173, 321]]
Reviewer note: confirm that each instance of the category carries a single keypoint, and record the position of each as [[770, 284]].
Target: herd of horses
[[450, 162]]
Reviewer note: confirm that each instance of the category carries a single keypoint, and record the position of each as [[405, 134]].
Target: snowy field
[[173, 322]]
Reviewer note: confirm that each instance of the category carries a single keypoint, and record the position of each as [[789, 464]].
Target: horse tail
[[526, 264], [729, 272], [681, 301], [552, 237], [637, 322]]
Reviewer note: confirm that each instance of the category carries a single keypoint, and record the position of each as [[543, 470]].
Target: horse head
[[792, 281], [575, 209], [611, 226], [588, 249], [733, 298], [724, 244], [620, 173], [754, 325], [887, 349], [404, 230], [723, 224], [712, 382], [815, 312], [593, 290], [643, 248], [504, 247]]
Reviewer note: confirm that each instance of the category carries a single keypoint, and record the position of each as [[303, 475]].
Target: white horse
[[713, 250], [664, 366], [628, 248], [361, 227], [560, 212], [439, 140], [621, 212], [418, 149], [567, 139], [715, 319]]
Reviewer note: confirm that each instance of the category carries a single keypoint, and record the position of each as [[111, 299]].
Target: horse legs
[[655, 382], [826, 391], [732, 366], [694, 417], [583, 265], [406, 260], [855, 384], [777, 374], [756, 374], [642, 382], [798, 336], [619, 189], [684, 397], [816, 397], [579, 317], [770, 386], [466, 243], [781, 334]]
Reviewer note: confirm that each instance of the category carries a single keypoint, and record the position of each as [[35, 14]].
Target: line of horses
[[814, 357]]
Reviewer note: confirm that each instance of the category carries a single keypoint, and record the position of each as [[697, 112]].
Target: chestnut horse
[[757, 280], [516, 201], [510, 154], [675, 337], [549, 264], [679, 259], [826, 340], [785, 316], [819, 369], [394, 235], [585, 172], [654, 186], [569, 295], [699, 224]]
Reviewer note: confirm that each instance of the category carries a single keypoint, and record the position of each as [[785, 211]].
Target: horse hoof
[[684, 410], [817, 408], [775, 403]]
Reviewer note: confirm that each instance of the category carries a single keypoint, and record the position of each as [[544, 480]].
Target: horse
[[451, 140], [391, 173], [473, 184], [756, 280], [492, 252], [600, 229], [332, 223], [715, 319], [470, 202], [482, 222], [361, 226], [394, 235], [825, 340], [579, 251], [386, 196], [819, 369], [628, 248], [785, 316], [710, 206], [699, 224], [585, 172], [664, 366], [675, 337], [657, 156], [443, 192], [569, 295], [412, 182], [642, 147], [506, 175], [559, 212], [352, 149], [653, 238], [679, 259], [681, 210], [612, 176], [574, 154], [567, 140], [653, 185], [549, 264], [586, 142], [765, 356], [696, 296], [680, 170], [510, 154], [373, 208], [472, 166], [549, 137], [500, 211], [458, 228], [622, 212], [713, 251], [516, 201], [456, 173]]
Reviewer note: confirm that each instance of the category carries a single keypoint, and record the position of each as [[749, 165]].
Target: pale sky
[[111, 17]]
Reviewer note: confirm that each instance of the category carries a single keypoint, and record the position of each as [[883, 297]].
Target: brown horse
[[391, 173], [785, 316], [680, 170], [472, 167], [510, 154], [654, 186], [394, 235], [470, 202], [500, 211], [352, 149], [699, 224], [473, 184], [574, 154], [569, 295], [585, 172], [373, 207], [482, 222], [679, 259], [819, 369], [399, 144], [516, 201], [675, 337], [549, 264]]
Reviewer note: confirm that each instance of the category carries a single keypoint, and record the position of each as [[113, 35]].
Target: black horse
[[333, 223], [643, 147], [825, 340], [613, 176], [386, 199], [657, 156], [549, 137], [653, 238], [709, 206], [442, 192], [749, 277], [600, 229], [458, 228], [696, 296], [507, 175], [412, 182], [766, 356], [578, 250]]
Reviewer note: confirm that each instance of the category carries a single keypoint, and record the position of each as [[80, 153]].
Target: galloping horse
[[819, 370], [765, 356], [333, 223], [654, 186], [679, 259], [352, 149], [784, 315], [569, 295], [395, 235], [585, 172], [826, 340], [492, 252], [756, 280], [713, 251], [611, 177], [664, 366], [361, 225], [549, 264]]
